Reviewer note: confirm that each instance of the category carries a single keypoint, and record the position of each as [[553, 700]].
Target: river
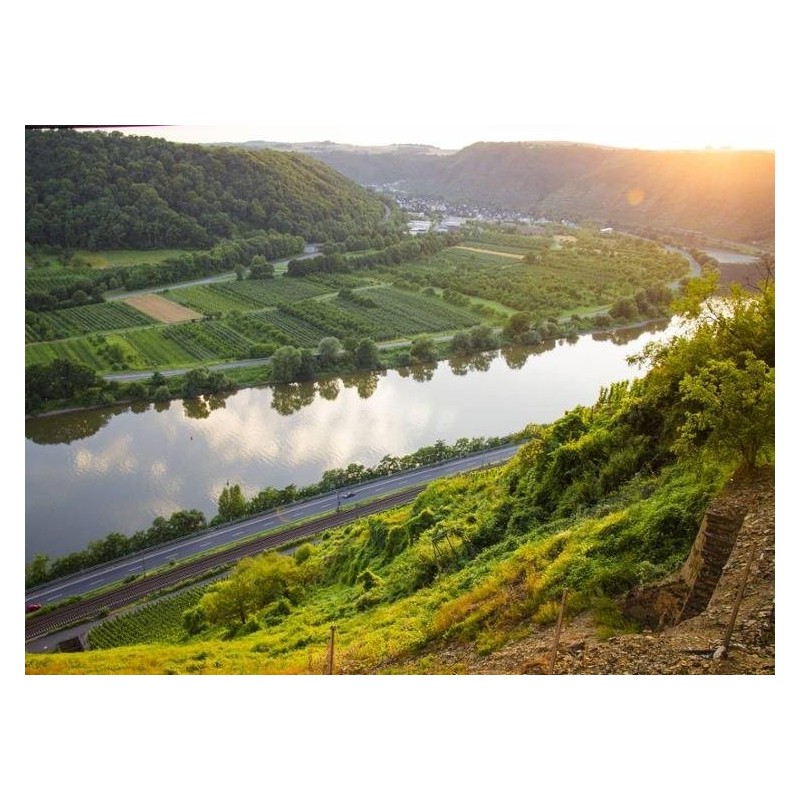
[[90, 473]]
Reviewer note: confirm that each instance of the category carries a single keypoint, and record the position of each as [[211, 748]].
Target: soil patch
[[161, 309], [490, 252]]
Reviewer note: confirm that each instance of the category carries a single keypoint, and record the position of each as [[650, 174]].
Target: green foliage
[[732, 409], [423, 349], [166, 621], [97, 190], [253, 584], [231, 504]]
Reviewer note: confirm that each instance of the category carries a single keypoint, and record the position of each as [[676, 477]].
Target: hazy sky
[[688, 74], [439, 134]]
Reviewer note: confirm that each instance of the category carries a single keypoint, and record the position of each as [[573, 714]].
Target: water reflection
[[66, 428], [365, 383], [478, 362], [421, 373], [626, 335], [329, 388], [100, 471], [289, 398]]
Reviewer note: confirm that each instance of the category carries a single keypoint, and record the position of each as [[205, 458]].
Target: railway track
[[90, 608]]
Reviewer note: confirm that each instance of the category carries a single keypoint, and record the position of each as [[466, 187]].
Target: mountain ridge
[[724, 193]]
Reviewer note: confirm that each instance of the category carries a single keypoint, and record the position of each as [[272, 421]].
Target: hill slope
[[729, 194], [97, 190], [683, 649]]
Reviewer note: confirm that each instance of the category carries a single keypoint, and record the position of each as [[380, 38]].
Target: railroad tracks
[[90, 608]]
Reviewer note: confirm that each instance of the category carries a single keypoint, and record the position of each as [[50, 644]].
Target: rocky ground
[[688, 648]]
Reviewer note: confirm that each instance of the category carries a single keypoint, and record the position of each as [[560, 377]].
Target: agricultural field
[[105, 259], [161, 309], [68, 322], [156, 622], [480, 281], [245, 295], [589, 272]]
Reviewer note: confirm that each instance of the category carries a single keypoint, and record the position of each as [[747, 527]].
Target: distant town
[[428, 213]]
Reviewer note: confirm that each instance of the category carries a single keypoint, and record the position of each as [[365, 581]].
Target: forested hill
[[724, 193], [99, 190]]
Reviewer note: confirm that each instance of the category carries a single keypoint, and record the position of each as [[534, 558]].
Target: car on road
[[31, 607], [347, 495]]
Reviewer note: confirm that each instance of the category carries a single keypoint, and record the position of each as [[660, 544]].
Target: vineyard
[[79, 320], [482, 281], [156, 622], [558, 279], [245, 295]]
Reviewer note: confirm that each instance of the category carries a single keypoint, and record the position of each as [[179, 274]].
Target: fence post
[[558, 631], [729, 631], [329, 665]]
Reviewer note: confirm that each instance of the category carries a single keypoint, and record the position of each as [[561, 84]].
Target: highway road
[[330, 504]]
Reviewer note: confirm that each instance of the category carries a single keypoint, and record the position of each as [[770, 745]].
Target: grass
[[487, 599]]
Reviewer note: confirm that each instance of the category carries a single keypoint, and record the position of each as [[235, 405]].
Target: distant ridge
[[718, 192]]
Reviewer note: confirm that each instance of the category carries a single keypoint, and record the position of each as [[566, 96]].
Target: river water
[[91, 473]]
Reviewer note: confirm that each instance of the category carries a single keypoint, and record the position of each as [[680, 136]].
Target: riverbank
[[254, 373]]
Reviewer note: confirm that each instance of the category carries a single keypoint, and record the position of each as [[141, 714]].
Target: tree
[[423, 349], [733, 409], [285, 364], [461, 342], [231, 503], [260, 268], [366, 354], [329, 348], [517, 326], [624, 308]]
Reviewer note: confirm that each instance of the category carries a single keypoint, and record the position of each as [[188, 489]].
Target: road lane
[[196, 544]]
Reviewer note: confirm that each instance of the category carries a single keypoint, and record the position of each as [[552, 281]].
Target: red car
[[31, 607]]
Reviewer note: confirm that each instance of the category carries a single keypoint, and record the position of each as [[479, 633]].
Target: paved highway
[[325, 504]]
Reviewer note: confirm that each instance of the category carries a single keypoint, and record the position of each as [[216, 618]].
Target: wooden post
[[729, 632], [329, 665], [558, 631]]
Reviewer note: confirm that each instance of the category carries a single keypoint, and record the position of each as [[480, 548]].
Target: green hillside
[[96, 190], [606, 499]]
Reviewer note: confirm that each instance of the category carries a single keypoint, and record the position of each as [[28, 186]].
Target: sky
[[422, 131], [687, 74]]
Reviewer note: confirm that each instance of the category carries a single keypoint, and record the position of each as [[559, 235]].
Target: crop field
[[103, 259], [246, 295], [257, 328], [206, 300], [47, 279], [299, 331], [161, 309], [157, 350], [560, 280], [78, 320], [504, 254], [156, 622], [208, 340], [483, 280], [400, 313], [82, 350]]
